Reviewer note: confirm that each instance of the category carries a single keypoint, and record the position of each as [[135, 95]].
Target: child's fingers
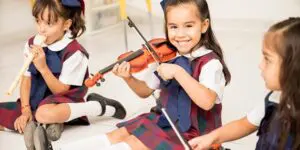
[[114, 70], [127, 67], [122, 67], [15, 124]]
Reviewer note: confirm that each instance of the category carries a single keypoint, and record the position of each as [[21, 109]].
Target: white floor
[[240, 39]]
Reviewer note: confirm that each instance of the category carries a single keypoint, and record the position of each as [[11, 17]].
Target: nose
[[42, 28], [180, 32]]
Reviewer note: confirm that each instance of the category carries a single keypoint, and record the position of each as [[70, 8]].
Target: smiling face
[[185, 26]]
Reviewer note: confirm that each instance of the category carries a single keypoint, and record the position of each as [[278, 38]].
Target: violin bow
[[147, 45], [179, 135]]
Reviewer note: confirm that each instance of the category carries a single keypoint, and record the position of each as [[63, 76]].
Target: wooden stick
[[41, 40]]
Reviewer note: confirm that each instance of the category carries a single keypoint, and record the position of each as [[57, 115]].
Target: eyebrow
[[266, 54], [184, 23]]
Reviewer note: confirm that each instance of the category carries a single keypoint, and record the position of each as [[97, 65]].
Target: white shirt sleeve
[[212, 77], [26, 53], [74, 69], [256, 115]]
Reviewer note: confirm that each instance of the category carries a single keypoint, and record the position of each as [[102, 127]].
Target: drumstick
[[40, 40]]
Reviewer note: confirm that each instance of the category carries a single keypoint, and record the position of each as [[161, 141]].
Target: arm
[[232, 131], [52, 82], [137, 86], [201, 96], [26, 114], [25, 92]]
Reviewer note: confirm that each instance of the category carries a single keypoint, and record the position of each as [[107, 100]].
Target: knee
[[45, 115], [118, 135]]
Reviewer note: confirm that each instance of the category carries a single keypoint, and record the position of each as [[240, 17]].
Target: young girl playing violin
[[193, 95], [278, 121], [52, 88]]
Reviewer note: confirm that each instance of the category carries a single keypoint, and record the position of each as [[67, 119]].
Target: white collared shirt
[[211, 75], [256, 115], [73, 69]]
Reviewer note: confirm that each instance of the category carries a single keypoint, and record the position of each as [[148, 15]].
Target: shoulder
[[74, 47]]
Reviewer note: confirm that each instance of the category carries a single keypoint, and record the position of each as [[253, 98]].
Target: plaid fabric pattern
[[145, 127]]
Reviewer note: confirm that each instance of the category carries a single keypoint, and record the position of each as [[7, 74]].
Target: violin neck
[[128, 58]]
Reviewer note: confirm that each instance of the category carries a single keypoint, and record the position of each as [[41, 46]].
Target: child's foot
[[120, 112], [40, 139], [54, 131], [28, 135]]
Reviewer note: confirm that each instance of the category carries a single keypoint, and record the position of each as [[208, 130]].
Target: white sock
[[90, 108], [119, 146], [94, 142], [110, 111]]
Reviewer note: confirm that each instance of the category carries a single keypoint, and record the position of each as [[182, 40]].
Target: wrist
[[25, 109], [44, 70], [215, 137], [178, 71], [128, 78]]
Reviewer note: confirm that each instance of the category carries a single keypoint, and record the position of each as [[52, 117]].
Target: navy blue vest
[[269, 129], [39, 89]]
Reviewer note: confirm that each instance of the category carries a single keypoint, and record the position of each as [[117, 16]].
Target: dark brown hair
[[56, 10], [286, 42], [208, 38]]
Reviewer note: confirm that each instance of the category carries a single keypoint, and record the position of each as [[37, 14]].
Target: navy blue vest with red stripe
[[188, 116], [269, 129], [54, 60]]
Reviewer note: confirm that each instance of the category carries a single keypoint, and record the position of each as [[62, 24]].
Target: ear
[[67, 24], [204, 25]]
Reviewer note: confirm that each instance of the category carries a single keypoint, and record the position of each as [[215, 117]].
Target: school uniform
[[153, 129], [68, 61], [265, 118]]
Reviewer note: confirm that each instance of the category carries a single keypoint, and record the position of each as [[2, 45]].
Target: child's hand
[[167, 71], [122, 70], [22, 121], [202, 142], [39, 60]]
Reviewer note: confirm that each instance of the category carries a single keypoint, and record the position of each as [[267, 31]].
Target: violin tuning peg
[[102, 79], [98, 84]]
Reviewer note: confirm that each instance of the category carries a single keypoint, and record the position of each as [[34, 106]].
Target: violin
[[154, 51]]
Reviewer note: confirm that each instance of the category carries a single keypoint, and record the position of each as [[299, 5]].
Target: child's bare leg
[[135, 143], [53, 113], [118, 135]]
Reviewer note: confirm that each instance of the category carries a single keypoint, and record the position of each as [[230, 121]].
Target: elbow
[[208, 107], [209, 104]]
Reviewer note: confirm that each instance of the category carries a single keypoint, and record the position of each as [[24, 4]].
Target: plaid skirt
[[10, 111], [145, 128]]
